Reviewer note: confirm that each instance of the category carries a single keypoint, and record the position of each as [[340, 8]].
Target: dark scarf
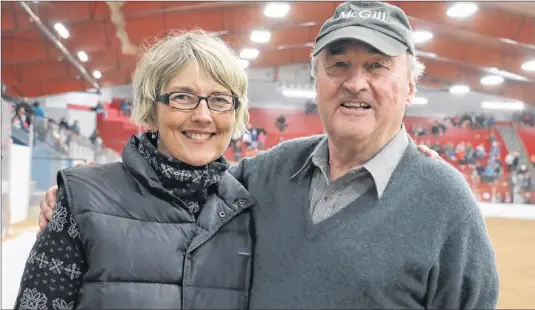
[[189, 183]]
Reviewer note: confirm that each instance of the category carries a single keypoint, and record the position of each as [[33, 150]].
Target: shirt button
[[327, 198], [188, 256], [222, 214]]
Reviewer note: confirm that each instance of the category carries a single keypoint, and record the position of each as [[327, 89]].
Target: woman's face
[[199, 136]]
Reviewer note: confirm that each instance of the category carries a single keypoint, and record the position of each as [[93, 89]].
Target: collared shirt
[[328, 198]]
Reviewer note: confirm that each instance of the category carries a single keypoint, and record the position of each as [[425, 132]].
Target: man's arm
[[54, 270], [466, 276], [239, 171]]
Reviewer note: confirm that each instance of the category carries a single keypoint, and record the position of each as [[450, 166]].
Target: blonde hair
[[166, 57]]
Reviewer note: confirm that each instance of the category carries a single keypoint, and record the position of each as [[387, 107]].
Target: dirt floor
[[514, 241]]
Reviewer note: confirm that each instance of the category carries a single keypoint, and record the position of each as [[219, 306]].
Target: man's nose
[[357, 81]]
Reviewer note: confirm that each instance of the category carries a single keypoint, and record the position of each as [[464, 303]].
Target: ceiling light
[[299, 93], [506, 40], [82, 56], [459, 89], [492, 80], [260, 36], [419, 100], [249, 53], [276, 9], [529, 66], [462, 10], [495, 105], [62, 31], [507, 74], [244, 63], [426, 54], [97, 74], [422, 36]]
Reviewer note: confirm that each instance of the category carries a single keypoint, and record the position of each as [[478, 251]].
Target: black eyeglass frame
[[164, 98]]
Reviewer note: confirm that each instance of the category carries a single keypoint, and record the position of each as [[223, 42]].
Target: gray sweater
[[423, 244]]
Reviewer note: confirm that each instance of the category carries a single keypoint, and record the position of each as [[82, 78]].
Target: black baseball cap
[[381, 25]]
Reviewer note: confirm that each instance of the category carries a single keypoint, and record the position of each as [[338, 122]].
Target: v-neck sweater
[[422, 244]]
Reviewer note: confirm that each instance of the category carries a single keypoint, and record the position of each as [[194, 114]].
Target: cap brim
[[378, 40]]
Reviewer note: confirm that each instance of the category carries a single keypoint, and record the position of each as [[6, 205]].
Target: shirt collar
[[380, 166]]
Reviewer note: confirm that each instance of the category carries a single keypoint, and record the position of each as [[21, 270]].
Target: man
[[359, 218]]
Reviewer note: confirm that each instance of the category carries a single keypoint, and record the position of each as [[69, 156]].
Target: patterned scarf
[[189, 183]]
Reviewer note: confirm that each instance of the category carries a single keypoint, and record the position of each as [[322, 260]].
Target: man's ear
[[411, 94]]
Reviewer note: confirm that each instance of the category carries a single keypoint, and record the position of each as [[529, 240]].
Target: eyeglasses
[[189, 101]]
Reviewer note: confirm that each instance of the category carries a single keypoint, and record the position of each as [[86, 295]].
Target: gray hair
[[417, 68], [166, 57]]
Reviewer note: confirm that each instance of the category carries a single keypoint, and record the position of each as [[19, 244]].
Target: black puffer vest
[[144, 251]]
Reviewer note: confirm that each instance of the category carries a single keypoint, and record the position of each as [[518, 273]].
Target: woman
[[168, 227]]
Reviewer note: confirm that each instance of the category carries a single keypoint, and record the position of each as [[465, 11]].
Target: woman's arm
[[54, 270]]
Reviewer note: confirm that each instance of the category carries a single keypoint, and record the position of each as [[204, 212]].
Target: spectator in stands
[[126, 106], [470, 154], [435, 128], [524, 118], [466, 120], [40, 122], [497, 198], [254, 138], [491, 122], [99, 107], [262, 138], [94, 136], [473, 121], [516, 160], [528, 119], [75, 127], [507, 198], [524, 178], [495, 149], [475, 177], [509, 159], [480, 168], [480, 121], [246, 140], [456, 120], [281, 123], [527, 198], [480, 151], [168, 215], [28, 110], [498, 167], [237, 149], [460, 153], [437, 147], [449, 151], [63, 123], [19, 119], [38, 111], [492, 137], [489, 175], [419, 130]]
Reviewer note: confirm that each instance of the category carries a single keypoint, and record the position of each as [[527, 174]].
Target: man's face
[[361, 93]]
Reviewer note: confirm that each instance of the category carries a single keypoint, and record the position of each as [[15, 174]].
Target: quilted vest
[[145, 251]]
